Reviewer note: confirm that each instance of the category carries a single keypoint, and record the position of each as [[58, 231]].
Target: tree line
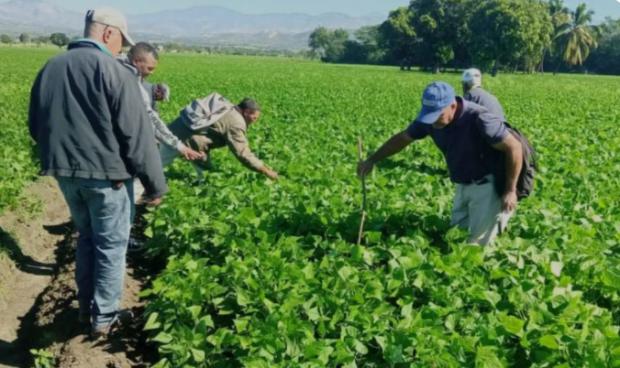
[[526, 35], [58, 38], [61, 40]]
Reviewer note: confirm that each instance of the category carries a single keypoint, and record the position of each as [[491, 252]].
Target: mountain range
[[208, 25]]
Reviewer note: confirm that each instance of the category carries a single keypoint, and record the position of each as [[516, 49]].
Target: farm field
[[263, 274]]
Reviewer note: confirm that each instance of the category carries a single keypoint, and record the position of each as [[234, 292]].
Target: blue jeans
[[102, 216]]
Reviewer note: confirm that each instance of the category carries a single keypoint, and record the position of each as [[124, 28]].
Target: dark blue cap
[[436, 97]]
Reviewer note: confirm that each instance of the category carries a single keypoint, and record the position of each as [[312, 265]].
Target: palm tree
[[574, 37], [560, 17], [557, 7]]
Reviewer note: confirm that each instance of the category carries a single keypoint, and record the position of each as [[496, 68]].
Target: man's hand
[[395, 144], [269, 173], [509, 201], [364, 168], [117, 185], [152, 202], [161, 92], [190, 154]]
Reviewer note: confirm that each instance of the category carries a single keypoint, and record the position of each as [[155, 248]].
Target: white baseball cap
[[473, 77], [113, 18]]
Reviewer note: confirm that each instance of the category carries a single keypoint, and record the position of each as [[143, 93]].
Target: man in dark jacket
[[93, 135]]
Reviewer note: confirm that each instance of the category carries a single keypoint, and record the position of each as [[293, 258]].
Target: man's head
[[471, 78], [250, 110], [438, 105], [144, 57], [109, 27]]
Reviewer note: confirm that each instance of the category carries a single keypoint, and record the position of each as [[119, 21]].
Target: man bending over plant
[[213, 122], [470, 139]]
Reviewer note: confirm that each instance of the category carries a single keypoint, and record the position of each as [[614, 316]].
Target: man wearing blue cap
[[470, 138]]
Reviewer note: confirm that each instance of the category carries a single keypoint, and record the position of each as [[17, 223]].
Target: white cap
[[113, 18], [473, 77]]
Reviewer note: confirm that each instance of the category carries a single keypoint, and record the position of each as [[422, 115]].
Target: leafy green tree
[[510, 33], [328, 44], [354, 53], [459, 13], [605, 59], [318, 41], [437, 35], [24, 38], [5, 38], [575, 39], [610, 26], [368, 37], [335, 45], [59, 39], [398, 38]]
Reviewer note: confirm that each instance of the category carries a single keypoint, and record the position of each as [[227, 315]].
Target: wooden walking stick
[[360, 234]]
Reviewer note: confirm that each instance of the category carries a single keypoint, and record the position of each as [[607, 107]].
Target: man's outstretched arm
[[238, 143], [393, 145]]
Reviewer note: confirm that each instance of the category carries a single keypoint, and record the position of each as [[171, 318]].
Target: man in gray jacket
[[145, 58], [473, 91], [93, 135], [142, 60]]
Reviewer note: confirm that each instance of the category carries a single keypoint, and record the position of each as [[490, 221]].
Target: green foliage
[[17, 157], [368, 39], [5, 38], [398, 38], [265, 274], [438, 24], [510, 33], [335, 46], [574, 37], [24, 38], [496, 34], [59, 39], [606, 58], [43, 358], [330, 45]]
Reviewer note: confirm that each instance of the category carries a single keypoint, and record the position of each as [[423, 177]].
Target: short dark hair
[[249, 104], [140, 49]]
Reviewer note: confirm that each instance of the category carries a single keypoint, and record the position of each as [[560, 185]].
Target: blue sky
[[354, 7]]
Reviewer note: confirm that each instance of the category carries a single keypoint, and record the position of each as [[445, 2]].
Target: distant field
[[268, 275]]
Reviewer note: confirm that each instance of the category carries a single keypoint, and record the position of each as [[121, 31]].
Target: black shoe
[[122, 317]]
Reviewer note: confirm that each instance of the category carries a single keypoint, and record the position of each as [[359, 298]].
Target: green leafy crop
[[263, 274], [268, 275], [17, 156]]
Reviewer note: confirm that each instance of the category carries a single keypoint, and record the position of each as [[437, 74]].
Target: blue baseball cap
[[436, 97]]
